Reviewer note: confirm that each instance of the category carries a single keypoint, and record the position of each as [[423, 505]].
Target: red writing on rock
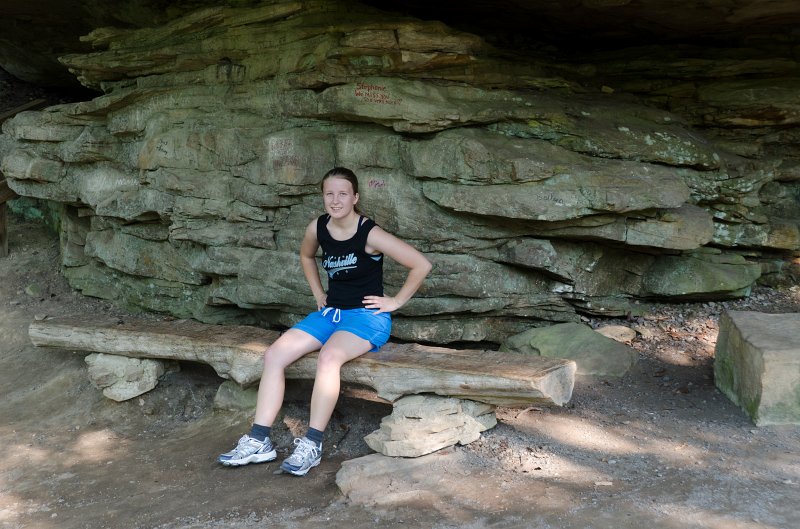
[[375, 183], [374, 93]]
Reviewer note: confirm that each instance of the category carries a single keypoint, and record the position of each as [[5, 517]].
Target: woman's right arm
[[308, 259]]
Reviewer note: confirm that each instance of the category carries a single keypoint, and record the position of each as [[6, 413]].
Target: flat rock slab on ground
[[757, 364], [594, 353], [376, 479]]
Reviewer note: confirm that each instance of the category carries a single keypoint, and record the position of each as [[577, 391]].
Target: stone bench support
[[421, 424], [757, 365]]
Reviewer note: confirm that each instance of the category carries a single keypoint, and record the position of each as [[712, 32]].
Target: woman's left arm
[[418, 268]]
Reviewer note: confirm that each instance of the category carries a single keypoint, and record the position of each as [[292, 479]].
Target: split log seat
[[440, 396], [236, 352]]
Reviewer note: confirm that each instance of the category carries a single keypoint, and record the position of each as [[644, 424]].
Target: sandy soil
[[660, 447]]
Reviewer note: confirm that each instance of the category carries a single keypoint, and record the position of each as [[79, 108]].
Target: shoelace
[[304, 447], [337, 314], [241, 446]]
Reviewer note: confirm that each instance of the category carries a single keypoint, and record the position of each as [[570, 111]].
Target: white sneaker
[[249, 450], [306, 456]]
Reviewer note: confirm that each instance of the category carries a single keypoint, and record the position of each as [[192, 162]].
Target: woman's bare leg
[[341, 347], [292, 345]]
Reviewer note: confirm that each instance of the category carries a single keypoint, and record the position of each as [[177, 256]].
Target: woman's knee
[[275, 359], [330, 358]]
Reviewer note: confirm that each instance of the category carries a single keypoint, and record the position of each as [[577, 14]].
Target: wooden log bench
[[440, 396], [236, 352]]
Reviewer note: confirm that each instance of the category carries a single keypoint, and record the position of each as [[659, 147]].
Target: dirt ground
[[660, 447]]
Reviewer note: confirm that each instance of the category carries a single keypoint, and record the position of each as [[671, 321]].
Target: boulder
[[757, 365], [594, 353], [122, 378], [233, 397]]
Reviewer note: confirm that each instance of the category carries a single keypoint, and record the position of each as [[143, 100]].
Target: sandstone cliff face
[[540, 188]]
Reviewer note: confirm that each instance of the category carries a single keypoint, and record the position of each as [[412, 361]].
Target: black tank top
[[352, 272]]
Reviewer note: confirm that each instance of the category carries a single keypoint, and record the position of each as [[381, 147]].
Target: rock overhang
[[571, 25]]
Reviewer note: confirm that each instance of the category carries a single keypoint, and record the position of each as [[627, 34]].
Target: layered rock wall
[[539, 188]]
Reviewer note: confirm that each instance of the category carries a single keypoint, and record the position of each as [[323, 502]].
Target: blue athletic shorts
[[364, 323]]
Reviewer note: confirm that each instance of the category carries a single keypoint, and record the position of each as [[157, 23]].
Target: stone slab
[[757, 365], [594, 353], [422, 424], [122, 378], [380, 480]]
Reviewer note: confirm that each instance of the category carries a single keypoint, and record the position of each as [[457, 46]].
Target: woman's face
[[338, 196]]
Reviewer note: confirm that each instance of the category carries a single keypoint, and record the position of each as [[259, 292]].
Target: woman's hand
[[379, 241], [321, 301], [381, 303]]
